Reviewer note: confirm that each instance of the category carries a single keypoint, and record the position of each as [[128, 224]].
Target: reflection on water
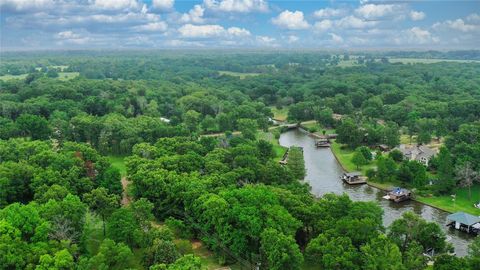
[[323, 175]]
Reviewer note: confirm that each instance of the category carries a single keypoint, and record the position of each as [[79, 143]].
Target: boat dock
[[464, 222], [323, 142], [354, 178], [398, 195]]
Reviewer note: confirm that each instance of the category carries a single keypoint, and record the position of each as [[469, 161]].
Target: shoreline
[[374, 184]]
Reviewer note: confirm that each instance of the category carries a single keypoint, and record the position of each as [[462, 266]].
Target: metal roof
[[353, 174], [464, 218]]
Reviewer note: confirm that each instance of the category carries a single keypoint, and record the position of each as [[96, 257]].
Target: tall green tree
[[446, 180], [102, 203], [280, 251], [296, 163]]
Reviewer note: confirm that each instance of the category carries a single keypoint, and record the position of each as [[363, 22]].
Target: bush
[[313, 129], [276, 134], [396, 155], [179, 228], [367, 154], [371, 173], [184, 247]]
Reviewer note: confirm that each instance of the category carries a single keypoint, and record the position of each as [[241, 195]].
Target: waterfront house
[[421, 153]]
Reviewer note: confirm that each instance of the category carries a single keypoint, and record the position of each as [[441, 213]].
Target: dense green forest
[[188, 127]]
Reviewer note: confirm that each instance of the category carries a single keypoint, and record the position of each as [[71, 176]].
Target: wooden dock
[[354, 178], [464, 222]]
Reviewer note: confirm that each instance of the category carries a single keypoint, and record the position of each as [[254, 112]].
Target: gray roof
[[418, 151], [353, 174], [464, 218]]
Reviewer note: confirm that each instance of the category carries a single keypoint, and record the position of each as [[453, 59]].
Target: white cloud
[[242, 6], [336, 38], [116, 4], [22, 5], [417, 15], [416, 35], [211, 30], [195, 15], [238, 32], [183, 43], [329, 13], [266, 41], [291, 20], [323, 25], [163, 4], [196, 31], [375, 12], [71, 37], [458, 24], [293, 39], [354, 22], [152, 27], [474, 17]]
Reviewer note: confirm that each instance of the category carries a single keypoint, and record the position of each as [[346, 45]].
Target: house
[[421, 153]]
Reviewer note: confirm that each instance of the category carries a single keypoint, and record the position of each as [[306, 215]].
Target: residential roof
[[464, 218], [417, 151]]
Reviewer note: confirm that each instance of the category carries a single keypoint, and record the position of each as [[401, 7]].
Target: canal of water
[[323, 175]]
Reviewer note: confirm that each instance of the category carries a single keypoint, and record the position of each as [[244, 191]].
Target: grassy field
[[319, 128], [238, 74], [67, 75], [61, 76], [427, 61], [119, 163], [279, 150], [281, 114], [348, 63], [462, 203], [344, 156], [12, 77]]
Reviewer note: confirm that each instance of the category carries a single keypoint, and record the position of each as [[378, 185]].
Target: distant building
[[163, 119], [421, 153]]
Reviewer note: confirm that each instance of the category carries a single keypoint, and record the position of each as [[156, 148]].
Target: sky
[[207, 24]]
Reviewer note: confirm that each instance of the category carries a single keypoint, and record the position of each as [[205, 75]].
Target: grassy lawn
[[348, 63], [13, 77], [67, 75], [61, 76], [119, 163], [238, 74], [426, 61], [405, 139], [279, 150], [281, 114], [462, 203], [345, 155], [318, 127]]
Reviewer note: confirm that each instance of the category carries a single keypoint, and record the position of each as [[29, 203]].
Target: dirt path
[[125, 199]]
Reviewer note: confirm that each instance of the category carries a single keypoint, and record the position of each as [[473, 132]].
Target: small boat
[[353, 178], [322, 143], [398, 195]]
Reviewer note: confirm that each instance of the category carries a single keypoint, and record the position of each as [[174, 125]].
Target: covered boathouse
[[464, 222]]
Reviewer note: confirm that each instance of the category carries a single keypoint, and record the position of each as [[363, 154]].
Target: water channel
[[323, 175]]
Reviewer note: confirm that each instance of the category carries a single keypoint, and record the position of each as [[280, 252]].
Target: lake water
[[323, 175]]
